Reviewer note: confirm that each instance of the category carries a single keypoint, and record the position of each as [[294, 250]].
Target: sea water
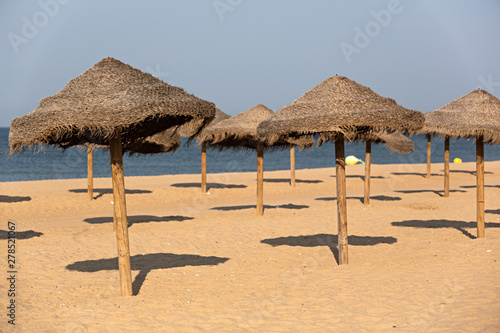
[[54, 163]]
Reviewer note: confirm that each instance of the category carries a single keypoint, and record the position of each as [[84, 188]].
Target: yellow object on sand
[[351, 160], [457, 160]]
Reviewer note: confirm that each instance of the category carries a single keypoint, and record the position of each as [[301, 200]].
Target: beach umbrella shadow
[[103, 191], [241, 207], [139, 219], [440, 193], [362, 177], [376, 197], [328, 240], [423, 175], [469, 172], [454, 224], [4, 234], [8, 198], [474, 186], [492, 211], [209, 185], [145, 264], [286, 180]]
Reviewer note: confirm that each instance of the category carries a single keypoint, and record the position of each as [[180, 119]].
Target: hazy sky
[[239, 53]]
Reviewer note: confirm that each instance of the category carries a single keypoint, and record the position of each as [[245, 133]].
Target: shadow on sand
[[469, 172], [103, 191], [139, 219], [145, 264], [287, 206], [375, 197], [474, 186], [423, 175], [440, 193], [8, 198], [454, 224], [328, 240], [4, 234], [362, 177], [209, 185], [287, 180]]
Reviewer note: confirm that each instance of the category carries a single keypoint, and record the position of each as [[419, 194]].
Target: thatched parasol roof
[[219, 116], [111, 96], [163, 142], [240, 131], [472, 115], [396, 142], [339, 104]]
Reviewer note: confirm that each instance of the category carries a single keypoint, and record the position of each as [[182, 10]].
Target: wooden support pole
[[447, 166], [204, 167], [260, 179], [292, 164], [120, 212], [368, 164], [341, 198], [480, 185], [115, 202], [428, 156], [90, 172]]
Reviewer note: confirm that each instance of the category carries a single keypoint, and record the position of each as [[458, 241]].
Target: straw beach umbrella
[[163, 142], [475, 115], [396, 142], [428, 136], [219, 116], [428, 131], [115, 105], [341, 107], [240, 132], [90, 171]]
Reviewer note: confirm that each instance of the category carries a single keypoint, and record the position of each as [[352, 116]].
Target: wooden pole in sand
[[428, 156], [292, 165], [447, 166], [260, 178], [368, 164], [90, 172], [341, 198], [480, 185], [204, 167], [120, 212]]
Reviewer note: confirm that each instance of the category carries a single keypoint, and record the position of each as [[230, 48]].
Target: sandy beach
[[206, 262]]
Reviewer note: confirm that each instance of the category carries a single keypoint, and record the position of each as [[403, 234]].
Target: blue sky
[[239, 53]]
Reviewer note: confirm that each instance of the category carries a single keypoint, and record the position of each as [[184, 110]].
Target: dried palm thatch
[[339, 105], [163, 142], [473, 115], [219, 116], [108, 98], [186, 131], [395, 141], [240, 132]]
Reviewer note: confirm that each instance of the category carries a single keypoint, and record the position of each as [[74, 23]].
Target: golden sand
[[206, 262]]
